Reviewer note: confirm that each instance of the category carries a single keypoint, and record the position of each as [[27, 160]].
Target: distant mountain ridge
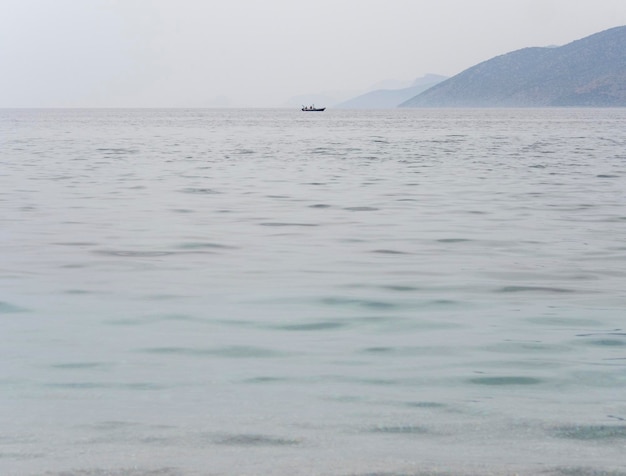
[[586, 72], [391, 98]]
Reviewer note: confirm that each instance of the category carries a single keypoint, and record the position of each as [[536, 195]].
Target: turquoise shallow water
[[219, 292]]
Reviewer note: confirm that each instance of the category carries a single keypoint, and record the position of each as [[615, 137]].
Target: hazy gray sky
[[143, 53]]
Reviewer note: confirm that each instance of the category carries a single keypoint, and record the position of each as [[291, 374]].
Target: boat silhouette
[[312, 108]]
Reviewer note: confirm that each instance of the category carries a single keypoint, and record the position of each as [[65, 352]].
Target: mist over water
[[219, 292]]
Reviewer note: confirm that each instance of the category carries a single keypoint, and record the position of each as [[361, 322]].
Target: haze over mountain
[[388, 98], [387, 93], [326, 98], [587, 72]]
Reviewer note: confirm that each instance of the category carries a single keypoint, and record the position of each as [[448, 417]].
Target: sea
[[404, 292]]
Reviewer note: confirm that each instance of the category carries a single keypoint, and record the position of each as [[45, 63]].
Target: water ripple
[[254, 440], [280, 224], [200, 191], [7, 308], [400, 430], [228, 352], [505, 380], [591, 432], [530, 289]]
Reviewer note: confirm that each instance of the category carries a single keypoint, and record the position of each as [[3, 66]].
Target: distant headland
[[590, 72], [387, 98]]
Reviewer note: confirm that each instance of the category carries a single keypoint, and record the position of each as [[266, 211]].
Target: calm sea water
[[271, 292]]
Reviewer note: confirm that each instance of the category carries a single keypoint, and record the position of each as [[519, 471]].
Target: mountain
[[587, 72], [390, 98], [390, 84]]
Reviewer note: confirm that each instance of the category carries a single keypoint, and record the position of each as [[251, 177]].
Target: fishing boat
[[312, 108]]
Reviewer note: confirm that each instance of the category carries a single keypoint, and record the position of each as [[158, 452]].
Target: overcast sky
[[258, 53]]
